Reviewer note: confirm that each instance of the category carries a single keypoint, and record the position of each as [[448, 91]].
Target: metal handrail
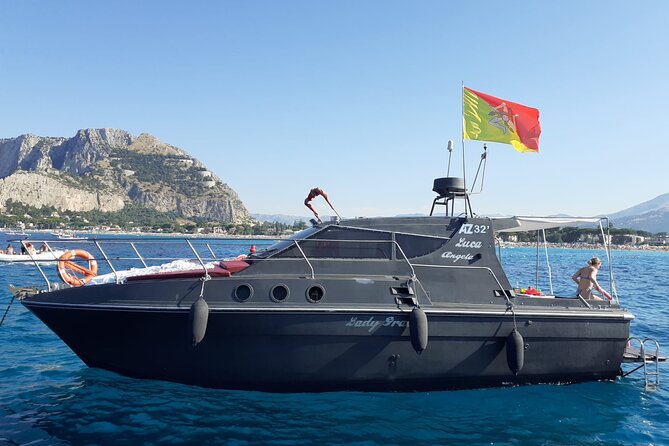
[[490, 271], [391, 259], [142, 259], [394, 254], [97, 244], [311, 267], [204, 267], [25, 247], [192, 243]]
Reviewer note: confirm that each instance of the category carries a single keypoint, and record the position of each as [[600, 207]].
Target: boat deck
[[634, 355]]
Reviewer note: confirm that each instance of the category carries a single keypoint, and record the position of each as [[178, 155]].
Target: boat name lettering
[[456, 257], [463, 243], [468, 228], [372, 323]]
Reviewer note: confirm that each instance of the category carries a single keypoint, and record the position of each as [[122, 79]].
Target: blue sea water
[[48, 396]]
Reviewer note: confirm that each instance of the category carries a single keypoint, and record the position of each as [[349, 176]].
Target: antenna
[[449, 189], [449, 147]]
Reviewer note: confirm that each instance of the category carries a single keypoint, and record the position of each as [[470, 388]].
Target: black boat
[[378, 304]]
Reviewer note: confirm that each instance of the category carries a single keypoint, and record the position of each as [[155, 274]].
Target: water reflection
[[95, 406]]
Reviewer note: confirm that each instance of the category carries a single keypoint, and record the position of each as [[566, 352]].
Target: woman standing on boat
[[586, 279]]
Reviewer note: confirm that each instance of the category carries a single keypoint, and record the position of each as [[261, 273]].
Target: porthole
[[243, 292], [279, 293], [315, 293]]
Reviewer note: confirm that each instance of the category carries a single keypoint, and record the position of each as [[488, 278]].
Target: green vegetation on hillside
[[131, 218], [571, 234], [174, 171]]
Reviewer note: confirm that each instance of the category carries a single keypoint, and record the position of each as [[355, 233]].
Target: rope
[[509, 306], [204, 279], [7, 310]]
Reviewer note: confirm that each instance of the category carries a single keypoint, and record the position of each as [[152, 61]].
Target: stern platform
[[647, 353]]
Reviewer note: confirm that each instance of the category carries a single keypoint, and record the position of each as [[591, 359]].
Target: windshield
[[283, 244], [342, 242]]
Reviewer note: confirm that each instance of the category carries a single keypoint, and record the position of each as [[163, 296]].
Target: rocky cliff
[[105, 169]]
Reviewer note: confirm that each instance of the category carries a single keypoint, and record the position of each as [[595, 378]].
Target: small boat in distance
[[66, 235], [47, 256], [17, 233]]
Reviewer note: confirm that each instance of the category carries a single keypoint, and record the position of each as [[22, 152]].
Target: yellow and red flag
[[487, 118]]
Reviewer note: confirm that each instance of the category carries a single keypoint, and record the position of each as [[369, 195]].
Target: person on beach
[[313, 193], [586, 279]]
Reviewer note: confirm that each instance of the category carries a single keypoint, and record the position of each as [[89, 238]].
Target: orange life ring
[[67, 268]]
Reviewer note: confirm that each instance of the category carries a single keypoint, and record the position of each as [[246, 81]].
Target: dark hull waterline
[[298, 350]]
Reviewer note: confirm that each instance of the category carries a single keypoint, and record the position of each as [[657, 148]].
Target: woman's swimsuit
[[587, 290]]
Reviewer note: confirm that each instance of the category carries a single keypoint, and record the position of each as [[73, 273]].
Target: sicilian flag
[[487, 118]]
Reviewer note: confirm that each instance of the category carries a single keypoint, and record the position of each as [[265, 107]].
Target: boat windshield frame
[[282, 245]]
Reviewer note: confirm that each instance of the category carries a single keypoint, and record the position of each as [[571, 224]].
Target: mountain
[[651, 215], [658, 203], [108, 169]]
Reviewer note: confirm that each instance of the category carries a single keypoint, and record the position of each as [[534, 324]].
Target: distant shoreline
[[594, 246], [91, 234], [585, 246]]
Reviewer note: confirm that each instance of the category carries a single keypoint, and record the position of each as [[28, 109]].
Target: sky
[[357, 97]]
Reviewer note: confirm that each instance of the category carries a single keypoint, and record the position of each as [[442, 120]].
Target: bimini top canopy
[[524, 224]]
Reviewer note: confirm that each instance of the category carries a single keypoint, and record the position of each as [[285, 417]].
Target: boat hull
[[37, 257], [338, 349]]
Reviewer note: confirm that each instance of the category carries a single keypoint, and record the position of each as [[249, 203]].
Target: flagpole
[[462, 138]]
